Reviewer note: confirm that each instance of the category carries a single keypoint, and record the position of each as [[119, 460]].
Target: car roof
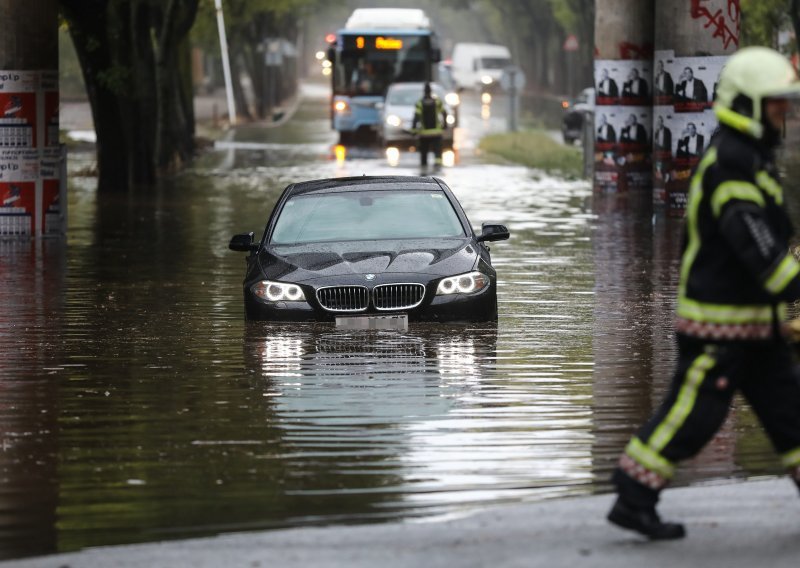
[[366, 183]]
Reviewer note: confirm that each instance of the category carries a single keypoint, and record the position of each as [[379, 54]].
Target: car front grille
[[385, 297], [397, 296], [344, 298]]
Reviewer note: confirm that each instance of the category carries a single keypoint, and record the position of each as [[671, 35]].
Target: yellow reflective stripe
[[735, 190], [768, 184], [683, 405], [650, 459], [791, 459], [739, 121], [722, 313], [692, 209], [780, 278]]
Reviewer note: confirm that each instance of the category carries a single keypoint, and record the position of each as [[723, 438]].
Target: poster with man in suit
[[691, 143], [635, 90], [633, 132], [663, 85], [690, 88], [605, 131], [662, 136], [607, 89]]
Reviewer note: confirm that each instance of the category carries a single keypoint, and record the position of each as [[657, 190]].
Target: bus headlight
[[341, 107]]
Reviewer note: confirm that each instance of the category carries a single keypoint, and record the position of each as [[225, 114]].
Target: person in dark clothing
[[430, 118], [737, 277]]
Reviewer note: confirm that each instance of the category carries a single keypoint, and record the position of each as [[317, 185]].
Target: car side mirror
[[493, 232], [243, 243]]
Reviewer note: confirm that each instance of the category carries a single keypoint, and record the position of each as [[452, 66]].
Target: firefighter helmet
[[750, 76]]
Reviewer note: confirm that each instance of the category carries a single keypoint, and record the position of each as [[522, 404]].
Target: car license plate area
[[394, 321]]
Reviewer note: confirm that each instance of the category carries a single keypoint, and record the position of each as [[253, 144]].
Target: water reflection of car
[[370, 247], [574, 114], [397, 114]]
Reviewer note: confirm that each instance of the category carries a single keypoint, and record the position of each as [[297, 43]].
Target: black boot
[[644, 521], [635, 509]]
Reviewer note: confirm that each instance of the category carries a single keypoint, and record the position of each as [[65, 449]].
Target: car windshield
[[408, 96], [366, 215], [494, 62]]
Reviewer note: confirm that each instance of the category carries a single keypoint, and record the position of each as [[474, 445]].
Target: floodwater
[[137, 405]]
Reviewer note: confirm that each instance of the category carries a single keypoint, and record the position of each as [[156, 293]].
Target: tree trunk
[[129, 56]]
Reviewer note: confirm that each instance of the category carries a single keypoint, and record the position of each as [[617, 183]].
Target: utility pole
[[32, 197], [623, 112], [692, 42]]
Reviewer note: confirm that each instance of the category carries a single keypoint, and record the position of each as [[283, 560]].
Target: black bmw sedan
[[370, 252]]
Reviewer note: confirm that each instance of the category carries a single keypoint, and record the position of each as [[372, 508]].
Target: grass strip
[[535, 149]]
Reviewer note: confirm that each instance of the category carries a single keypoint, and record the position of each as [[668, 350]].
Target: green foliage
[[761, 20], [535, 149]]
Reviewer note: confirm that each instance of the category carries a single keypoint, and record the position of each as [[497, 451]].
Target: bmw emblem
[[369, 277]]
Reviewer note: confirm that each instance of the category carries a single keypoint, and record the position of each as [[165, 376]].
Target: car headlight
[[451, 120], [278, 291], [452, 99], [468, 283], [394, 120], [341, 107], [487, 80]]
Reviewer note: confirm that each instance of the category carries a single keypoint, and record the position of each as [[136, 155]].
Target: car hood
[[302, 263]]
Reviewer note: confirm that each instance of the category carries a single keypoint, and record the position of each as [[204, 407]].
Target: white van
[[479, 65]]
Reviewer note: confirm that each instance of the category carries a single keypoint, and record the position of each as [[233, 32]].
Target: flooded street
[[137, 405]]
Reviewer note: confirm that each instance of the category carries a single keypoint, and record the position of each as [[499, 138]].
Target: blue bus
[[377, 47]]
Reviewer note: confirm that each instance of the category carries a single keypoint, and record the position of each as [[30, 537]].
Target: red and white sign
[[571, 43]]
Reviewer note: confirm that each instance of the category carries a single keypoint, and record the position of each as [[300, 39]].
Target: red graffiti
[[634, 51], [725, 28]]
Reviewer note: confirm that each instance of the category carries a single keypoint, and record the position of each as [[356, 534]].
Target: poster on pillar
[[49, 96], [18, 174], [622, 149], [30, 156], [49, 172], [687, 83], [18, 109], [622, 82], [683, 94]]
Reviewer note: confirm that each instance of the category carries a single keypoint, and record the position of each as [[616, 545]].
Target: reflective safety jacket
[[431, 117], [737, 272]]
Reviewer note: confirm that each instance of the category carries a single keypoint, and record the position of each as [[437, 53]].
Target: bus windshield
[[368, 64]]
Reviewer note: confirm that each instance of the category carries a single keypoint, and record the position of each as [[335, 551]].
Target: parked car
[[368, 248], [397, 113], [574, 114]]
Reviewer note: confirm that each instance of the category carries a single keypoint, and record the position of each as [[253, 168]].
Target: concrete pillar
[[29, 151], [623, 114], [693, 39]]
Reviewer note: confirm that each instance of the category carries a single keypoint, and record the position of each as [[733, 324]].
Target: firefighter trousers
[[706, 378], [430, 144]]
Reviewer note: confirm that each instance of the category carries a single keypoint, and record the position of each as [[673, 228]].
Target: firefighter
[[737, 276], [430, 118]]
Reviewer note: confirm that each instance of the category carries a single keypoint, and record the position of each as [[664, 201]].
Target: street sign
[[512, 78], [571, 43]]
